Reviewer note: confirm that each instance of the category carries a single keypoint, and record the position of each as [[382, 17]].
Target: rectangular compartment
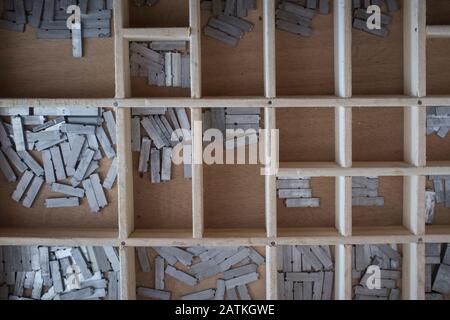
[[165, 205], [438, 69], [388, 215], [377, 63], [238, 71], [162, 14], [437, 267], [39, 220], [435, 187], [438, 141], [377, 134], [306, 272], [377, 272], [294, 220], [45, 68], [306, 134], [59, 273], [203, 280], [305, 65]]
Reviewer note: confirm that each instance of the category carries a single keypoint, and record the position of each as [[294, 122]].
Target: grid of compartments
[[362, 113]]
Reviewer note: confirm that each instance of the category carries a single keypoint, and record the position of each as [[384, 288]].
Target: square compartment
[[293, 220], [238, 71], [165, 205], [377, 134], [141, 88], [389, 215], [306, 134], [39, 68], [363, 257], [438, 67], [305, 66], [377, 63], [178, 289], [38, 220], [163, 14]]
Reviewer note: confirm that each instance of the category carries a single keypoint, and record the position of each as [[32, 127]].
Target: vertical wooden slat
[[121, 50], [414, 37], [272, 272], [127, 273], [196, 120], [343, 272]]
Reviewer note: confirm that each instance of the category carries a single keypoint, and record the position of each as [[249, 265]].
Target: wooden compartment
[[295, 221], [441, 213], [165, 206], [36, 68], [377, 134], [235, 71], [377, 63], [306, 134], [15, 219], [438, 67], [163, 14], [438, 149], [177, 288], [233, 199], [389, 215], [298, 59], [436, 255]]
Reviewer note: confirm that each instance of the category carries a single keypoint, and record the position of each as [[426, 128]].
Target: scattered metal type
[[387, 258], [296, 192], [438, 121], [305, 273], [88, 19], [227, 23], [236, 267], [156, 149], [437, 271], [70, 153], [58, 273], [163, 63], [365, 192], [141, 3], [437, 193], [361, 16]]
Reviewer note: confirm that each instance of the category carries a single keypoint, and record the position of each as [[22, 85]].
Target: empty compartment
[[306, 134], [305, 203], [377, 134], [297, 53], [72, 165], [377, 61], [38, 63], [162, 187], [436, 201], [437, 271], [234, 64], [377, 202], [160, 69], [438, 69], [377, 272], [306, 272], [159, 14], [200, 273], [59, 273], [438, 139]]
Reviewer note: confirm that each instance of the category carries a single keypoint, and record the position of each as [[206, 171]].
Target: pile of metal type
[[438, 193], [50, 17], [365, 192], [239, 126], [296, 192], [165, 128], [387, 259], [163, 63], [68, 142], [227, 24], [141, 3], [305, 273], [296, 16], [438, 121], [235, 267], [361, 16], [59, 273], [437, 271]]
